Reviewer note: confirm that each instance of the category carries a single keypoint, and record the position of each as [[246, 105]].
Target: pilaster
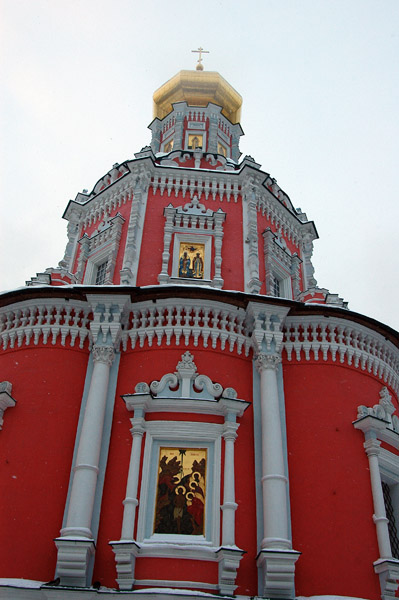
[[276, 559], [128, 273], [76, 545], [253, 283]]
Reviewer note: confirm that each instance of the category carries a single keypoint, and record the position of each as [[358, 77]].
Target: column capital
[[138, 426], [229, 430], [372, 447], [103, 354], [267, 361]]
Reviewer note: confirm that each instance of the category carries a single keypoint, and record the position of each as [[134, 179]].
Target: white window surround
[[379, 424], [100, 247], [193, 222], [188, 392], [280, 263], [284, 279], [198, 132], [190, 435], [94, 262], [194, 239]]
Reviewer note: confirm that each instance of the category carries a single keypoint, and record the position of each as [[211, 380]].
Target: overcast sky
[[320, 84]]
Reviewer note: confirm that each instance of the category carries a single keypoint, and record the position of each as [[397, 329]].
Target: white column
[[130, 502], [84, 482], [229, 504], [372, 447], [274, 480]]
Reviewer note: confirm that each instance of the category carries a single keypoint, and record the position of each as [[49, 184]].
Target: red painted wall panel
[[36, 449], [331, 502]]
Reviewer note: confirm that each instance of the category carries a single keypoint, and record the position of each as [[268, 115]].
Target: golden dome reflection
[[198, 88]]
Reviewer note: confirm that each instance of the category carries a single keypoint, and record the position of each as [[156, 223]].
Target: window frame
[[191, 435], [194, 239]]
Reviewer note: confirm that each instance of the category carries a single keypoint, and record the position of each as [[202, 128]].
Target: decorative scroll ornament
[[186, 383], [383, 410]]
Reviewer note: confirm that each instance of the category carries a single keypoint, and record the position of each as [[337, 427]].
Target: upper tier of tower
[[186, 212], [197, 110]]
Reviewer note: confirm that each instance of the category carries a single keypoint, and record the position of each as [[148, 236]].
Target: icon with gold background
[[191, 260], [181, 491]]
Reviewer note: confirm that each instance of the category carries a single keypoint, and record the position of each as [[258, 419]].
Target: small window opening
[[393, 532], [101, 273], [276, 287]]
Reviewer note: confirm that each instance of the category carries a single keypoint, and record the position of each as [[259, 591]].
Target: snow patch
[[21, 583], [329, 597]]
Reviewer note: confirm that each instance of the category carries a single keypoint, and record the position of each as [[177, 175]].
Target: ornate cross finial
[[201, 51]]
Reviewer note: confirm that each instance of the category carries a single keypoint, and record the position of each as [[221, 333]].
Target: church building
[[184, 412]]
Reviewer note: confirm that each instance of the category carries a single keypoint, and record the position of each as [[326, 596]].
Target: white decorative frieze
[[333, 338], [45, 321], [181, 321]]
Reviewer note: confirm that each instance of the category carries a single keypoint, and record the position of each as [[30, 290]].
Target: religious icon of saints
[[198, 266], [180, 501], [184, 265]]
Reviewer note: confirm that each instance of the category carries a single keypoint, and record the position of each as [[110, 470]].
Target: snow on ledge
[[329, 597], [21, 583]]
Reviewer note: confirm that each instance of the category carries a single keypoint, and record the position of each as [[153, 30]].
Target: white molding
[[278, 570], [343, 341], [94, 261], [46, 320], [177, 321], [178, 238], [132, 250], [194, 393], [101, 246], [73, 560], [200, 585], [193, 434], [192, 222]]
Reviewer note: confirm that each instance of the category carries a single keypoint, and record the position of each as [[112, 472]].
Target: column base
[[163, 278], [278, 573], [126, 276], [73, 561], [125, 558], [229, 561], [388, 572]]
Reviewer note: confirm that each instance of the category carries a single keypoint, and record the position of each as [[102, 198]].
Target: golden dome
[[197, 88]]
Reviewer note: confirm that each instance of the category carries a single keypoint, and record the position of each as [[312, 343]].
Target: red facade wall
[[331, 502], [36, 450]]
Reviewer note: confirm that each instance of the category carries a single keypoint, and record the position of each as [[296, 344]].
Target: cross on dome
[[200, 51]]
